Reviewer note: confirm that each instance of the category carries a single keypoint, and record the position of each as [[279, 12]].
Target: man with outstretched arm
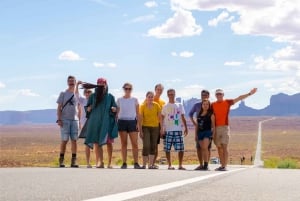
[[221, 110]]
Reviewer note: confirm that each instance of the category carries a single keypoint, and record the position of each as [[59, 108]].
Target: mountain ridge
[[280, 105]]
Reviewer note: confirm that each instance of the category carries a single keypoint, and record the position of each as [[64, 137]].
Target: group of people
[[100, 118]]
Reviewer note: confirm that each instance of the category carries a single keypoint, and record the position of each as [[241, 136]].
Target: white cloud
[[151, 4], [176, 80], [224, 16], [98, 65], [107, 65], [278, 19], [285, 59], [69, 55], [144, 18], [174, 54], [112, 65], [287, 85], [189, 91], [233, 63], [2, 85], [182, 24], [27, 92], [184, 54], [284, 53], [104, 3]]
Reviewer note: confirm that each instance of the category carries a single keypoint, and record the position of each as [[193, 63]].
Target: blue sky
[[183, 44]]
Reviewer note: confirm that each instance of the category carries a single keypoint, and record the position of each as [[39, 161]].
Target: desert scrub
[[276, 162], [288, 164]]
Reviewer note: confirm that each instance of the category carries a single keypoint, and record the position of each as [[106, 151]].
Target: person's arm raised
[[241, 97]]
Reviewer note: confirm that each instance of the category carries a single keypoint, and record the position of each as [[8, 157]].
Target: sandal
[[181, 168], [110, 167], [171, 168], [153, 167], [199, 167], [100, 166]]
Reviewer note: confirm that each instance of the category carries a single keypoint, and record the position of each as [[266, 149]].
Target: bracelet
[[249, 94]]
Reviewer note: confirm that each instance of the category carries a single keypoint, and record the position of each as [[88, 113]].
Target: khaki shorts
[[222, 135]]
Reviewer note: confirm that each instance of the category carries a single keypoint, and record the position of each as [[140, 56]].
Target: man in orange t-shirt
[[221, 110]]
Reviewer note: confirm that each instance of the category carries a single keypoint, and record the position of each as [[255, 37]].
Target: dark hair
[[158, 85], [209, 111], [205, 91], [169, 90], [100, 90], [127, 84], [149, 92], [71, 77], [86, 85]]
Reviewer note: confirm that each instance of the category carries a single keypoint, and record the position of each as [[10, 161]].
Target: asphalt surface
[[82, 184]]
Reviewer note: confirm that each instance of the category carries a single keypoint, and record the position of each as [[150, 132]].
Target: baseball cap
[[219, 91], [101, 81]]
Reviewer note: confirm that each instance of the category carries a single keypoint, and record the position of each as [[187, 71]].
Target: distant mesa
[[280, 105]]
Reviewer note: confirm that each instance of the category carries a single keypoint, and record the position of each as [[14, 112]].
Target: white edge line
[[153, 189]]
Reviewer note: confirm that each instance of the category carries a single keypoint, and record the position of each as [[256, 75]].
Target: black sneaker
[[124, 166], [221, 169], [137, 166], [61, 162], [73, 163]]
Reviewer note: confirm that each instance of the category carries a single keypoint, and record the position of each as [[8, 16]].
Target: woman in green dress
[[101, 125]]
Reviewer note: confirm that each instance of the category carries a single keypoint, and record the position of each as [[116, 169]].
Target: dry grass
[[38, 145]]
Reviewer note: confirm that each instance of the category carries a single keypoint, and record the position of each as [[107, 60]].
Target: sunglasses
[[127, 89], [219, 94]]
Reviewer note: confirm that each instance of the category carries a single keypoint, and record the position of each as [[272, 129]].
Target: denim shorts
[[204, 134], [69, 130]]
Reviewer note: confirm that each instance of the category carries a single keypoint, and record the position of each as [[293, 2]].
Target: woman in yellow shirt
[[150, 118]]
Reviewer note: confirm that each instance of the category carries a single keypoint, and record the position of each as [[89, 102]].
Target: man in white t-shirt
[[173, 118]]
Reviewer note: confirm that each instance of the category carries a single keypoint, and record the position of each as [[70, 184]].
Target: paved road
[[82, 184], [258, 162]]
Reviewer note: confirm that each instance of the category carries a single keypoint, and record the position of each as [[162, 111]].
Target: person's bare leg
[[204, 148], [101, 156], [88, 155], [221, 156], [123, 137], [63, 146], [225, 154], [151, 160], [145, 160], [134, 144], [109, 153], [97, 155], [180, 158], [199, 155], [74, 146], [168, 156]]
